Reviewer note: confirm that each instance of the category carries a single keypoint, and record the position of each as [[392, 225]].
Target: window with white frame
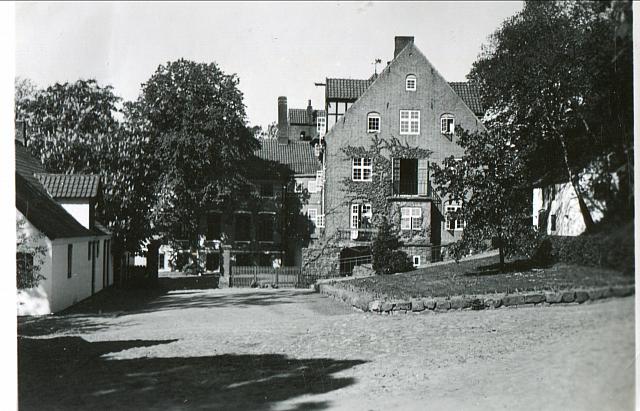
[[312, 187], [447, 124], [453, 223], [362, 169], [411, 218], [416, 261], [361, 215], [373, 122], [411, 83], [321, 125], [312, 215], [409, 121]]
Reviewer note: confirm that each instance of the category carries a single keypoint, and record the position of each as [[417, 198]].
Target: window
[[243, 227], [160, 261], [213, 226], [362, 169], [411, 83], [298, 187], [69, 259], [312, 186], [321, 125], [97, 243], [373, 122], [553, 222], [266, 190], [361, 215], [312, 214], [409, 121], [265, 227], [447, 124], [411, 218], [416, 261], [453, 223], [89, 247]]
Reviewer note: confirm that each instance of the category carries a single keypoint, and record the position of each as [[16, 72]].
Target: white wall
[[80, 210]]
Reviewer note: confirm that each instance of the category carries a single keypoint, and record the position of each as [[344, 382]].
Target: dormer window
[[447, 124], [411, 83], [373, 123]]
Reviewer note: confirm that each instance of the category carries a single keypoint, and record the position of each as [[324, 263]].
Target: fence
[[347, 263], [246, 276]]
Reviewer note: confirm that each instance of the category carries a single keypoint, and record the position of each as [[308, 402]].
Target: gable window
[[321, 125], [373, 123], [69, 259], [411, 83], [411, 218], [447, 124], [451, 223], [410, 122], [362, 169], [361, 215]]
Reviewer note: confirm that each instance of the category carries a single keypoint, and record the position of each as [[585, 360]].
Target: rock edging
[[373, 303]]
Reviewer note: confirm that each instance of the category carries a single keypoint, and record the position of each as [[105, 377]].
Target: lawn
[[482, 276]]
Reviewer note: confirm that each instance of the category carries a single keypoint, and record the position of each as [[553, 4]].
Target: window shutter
[[396, 175], [423, 176]]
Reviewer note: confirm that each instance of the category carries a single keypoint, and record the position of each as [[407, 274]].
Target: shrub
[[387, 259]]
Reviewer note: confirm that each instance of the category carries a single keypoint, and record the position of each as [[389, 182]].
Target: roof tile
[[70, 185], [470, 94], [346, 89], [297, 155]]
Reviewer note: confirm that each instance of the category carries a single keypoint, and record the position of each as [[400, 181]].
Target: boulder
[[622, 291], [457, 303], [510, 300], [364, 270], [430, 304], [553, 298], [568, 297], [402, 305], [493, 302], [417, 305], [596, 294], [374, 306], [581, 296], [443, 305], [386, 306], [534, 298]]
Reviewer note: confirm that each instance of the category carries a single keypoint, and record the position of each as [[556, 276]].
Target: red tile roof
[[297, 155], [299, 116], [76, 186], [470, 94], [346, 89]]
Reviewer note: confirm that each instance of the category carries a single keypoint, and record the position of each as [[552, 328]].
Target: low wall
[[346, 292]]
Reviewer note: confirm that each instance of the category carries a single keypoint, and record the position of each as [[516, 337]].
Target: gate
[[246, 276]]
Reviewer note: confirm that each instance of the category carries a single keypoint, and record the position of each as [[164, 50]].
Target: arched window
[[447, 124], [411, 83], [373, 123]]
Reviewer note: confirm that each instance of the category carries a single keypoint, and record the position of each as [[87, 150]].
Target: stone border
[[368, 302]]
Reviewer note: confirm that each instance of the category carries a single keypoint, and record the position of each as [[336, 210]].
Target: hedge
[[613, 249]]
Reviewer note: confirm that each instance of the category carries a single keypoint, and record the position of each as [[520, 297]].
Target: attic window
[[447, 124], [411, 83], [373, 122]]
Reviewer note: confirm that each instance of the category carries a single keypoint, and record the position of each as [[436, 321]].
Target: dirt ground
[[295, 350]]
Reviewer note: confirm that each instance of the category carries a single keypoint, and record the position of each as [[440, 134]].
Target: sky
[[276, 48]]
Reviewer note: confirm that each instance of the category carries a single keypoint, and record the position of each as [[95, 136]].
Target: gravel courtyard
[[295, 350]]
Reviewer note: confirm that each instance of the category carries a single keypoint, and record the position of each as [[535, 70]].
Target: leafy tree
[[490, 183], [73, 129], [558, 75], [194, 117], [387, 259], [30, 255]]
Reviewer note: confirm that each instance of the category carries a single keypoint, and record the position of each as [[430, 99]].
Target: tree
[[490, 184], [194, 116], [559, 76], [387, 259], [73, 129]]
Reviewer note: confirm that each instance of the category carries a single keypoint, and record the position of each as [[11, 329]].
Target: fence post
[[255, 274]]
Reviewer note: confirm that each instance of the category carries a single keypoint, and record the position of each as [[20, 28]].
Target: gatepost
[[225, 275]]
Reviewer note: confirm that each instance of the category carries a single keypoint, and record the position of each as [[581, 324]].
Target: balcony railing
[[411, 187], [358, 234]]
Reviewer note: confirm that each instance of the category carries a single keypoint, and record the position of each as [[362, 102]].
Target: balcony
[[357, 234], [412, 189]]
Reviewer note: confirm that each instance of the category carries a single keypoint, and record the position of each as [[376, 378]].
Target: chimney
[[401, 43], [21, 135], [283, 123], [309, 113]]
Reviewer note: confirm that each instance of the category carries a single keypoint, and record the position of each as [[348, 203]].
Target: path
[[290, 349]]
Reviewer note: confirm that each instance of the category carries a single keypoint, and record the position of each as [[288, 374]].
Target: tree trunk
[[584, 210], [152, 260]]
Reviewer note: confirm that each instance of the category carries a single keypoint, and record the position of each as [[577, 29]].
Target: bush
[[613, 249], [387, 259]]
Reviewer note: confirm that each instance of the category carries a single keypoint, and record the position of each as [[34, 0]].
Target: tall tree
[[195, 118], [490, 184], [559, 76]]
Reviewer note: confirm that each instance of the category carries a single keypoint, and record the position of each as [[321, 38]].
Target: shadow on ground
[[69, 373]]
